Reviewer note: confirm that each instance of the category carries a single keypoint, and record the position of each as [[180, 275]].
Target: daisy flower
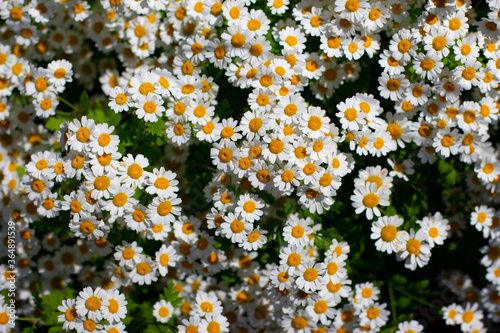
[[469, 74], [428, 65], [163, 311], [414, 249], [207, 304], [162, 183], [401, 169], [482, 216], [437, 41], [236, 40], [488, 169], [312, 199], [374, 316], [296, 230], [437, 231], [69, 316], [102, 141], [81, 132], [224, 155], [199, 111], [366, 294], [386, 234], [128, 253], [293, 257], [469, 316], [280, 279], [256, 22], [90, 303], [149, 107], [214, 323], [116, 309], [86, 226], [353, 48], [235, 229], [255, 240], [392, 87], [144, 272], [298, 322], [353, 10], [466, 49], [131, 170], [335, 272], [350, 117], [250, 207], [60, 72], [163, 210], [403, 46], [119, 101], [368, 197], [314, 123], [314, 67]]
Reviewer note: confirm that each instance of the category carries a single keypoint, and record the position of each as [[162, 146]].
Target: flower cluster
[[254, 245], [94, 310]]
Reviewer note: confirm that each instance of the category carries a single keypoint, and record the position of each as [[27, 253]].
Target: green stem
[[417, 299], [28, 319], [393, 303], [68, 103]]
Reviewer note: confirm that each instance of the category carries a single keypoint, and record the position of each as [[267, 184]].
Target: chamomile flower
[[298, 322], [414, 249], [368, 197], [162, 183], [235, 228], [149, 107], [292, 39], [163, 210], [385, 231], [250, 207], [69, 316], [116, 309], [90, 303], [144, 272], [482, 216], [119, 101], [366, 294], [428, 65], [163, 311], [392, 87], [60, 72]]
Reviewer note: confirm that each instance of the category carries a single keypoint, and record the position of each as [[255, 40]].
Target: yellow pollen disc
[[93, 303], [314, 123], [413, 246], [238, 40], [164, 208], [143, 268], [134, 171], [388, 233], [370, 200], [83, 134], [366, 293], [310, 274], [299, 323]]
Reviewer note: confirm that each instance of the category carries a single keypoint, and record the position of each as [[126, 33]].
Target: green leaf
[[156, 128], [29, 329], [103, 114], [21, 171], [50, 303], [171, 295], [85, 102], [56, 329], [54, 123]]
